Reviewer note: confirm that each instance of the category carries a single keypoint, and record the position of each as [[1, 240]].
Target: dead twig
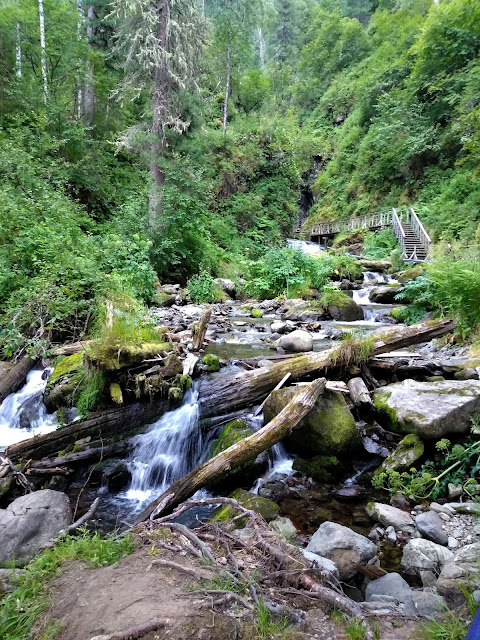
[[137, 631]]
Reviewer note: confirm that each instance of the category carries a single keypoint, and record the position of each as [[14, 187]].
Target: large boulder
[[391, 517], [430, 526], [349, 311], [432, 410], [328, 429], [300, 310], [296, 341], [347, 549], [384, 295], [263, 506], [408, 451], [227, 286], [461, 569], [392, 585], [29, 523], [425, 560], [63, 382]]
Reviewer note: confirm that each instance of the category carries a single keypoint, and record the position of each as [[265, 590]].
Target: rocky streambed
[[314, 488]]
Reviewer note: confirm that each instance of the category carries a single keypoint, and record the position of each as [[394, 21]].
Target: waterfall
[[23, 414], [170, 448]]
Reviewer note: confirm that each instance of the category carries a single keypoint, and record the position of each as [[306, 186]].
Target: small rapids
[[170, 448], [23, 414]]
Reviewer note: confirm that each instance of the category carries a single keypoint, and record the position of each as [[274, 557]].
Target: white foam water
[[23, 414]]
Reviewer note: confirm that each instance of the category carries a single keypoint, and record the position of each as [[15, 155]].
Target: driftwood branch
[[138, 631], [199, 329], [87, 516], [243, 451]]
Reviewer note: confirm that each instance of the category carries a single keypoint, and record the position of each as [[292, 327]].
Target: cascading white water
[[23, 414], [170, 448]]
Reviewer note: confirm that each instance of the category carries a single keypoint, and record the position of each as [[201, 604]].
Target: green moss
[[65, 368], [174, 394], [256, 313], [113, 356], [212, 362], [396, 312], [231, 433], [380, 400], [408, 451], [263, 506], [116, 393], [410, 274]]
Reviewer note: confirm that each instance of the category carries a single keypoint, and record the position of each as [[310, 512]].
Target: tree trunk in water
[[227, 86], [247, 449], [228, 394], [15, 378], [99, 426], [43, 61], [161, 92], [200, 329]]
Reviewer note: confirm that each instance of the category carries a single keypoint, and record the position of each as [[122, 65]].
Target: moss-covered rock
[[408, 451], [410, 274], [324, 469], [211, 362], [263, 506], [347, 311], [396, 312], [328, 429], [64, 381], [116, 393], [113, 357], [245, 474], [256, 313]]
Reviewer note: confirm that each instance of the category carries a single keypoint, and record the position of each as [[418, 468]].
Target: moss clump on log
[[211, 362]]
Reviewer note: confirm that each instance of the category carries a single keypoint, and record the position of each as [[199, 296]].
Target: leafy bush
[[203, 288], [379, 244]]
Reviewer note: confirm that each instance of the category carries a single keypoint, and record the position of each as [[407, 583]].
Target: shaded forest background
[[383, 97]]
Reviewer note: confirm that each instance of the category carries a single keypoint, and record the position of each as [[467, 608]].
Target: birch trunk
[[41, 17], [89, 89], [227, 86], [18, 53]]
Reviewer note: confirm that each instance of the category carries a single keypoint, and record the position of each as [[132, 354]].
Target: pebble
[[452, 542], [444, 516]]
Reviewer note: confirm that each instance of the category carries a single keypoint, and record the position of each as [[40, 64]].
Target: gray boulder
[[430, 525], [279, 327], [432, 410], [342, 546], [391, 517], [348, 312], [29, 523], [461, 569], [284, 527], [326, 566], [390, 585], [296, 341], [227, 286], [425, 559], [299, 310], [428, 604], [408, 451], [385, 295]]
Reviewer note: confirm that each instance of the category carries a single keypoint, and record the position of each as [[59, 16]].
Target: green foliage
[[203, 288], [448, 627], [457, 464], [380, 244], [20, 609], [355, 349]]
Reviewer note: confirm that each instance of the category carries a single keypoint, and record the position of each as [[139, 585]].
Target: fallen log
[[227, 394], [359, 393], [279, 386], [15, 377], [54, 471], [100, 425], [247, 449], [70, 349], [94, 453], [199, 329]]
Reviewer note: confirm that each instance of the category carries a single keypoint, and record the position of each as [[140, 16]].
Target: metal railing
[[422, 235], [368, 221]]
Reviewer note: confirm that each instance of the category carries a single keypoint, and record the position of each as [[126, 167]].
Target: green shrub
[[379, 244], [202, 288]]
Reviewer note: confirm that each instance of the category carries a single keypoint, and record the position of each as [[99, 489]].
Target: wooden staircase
[[406, 225]]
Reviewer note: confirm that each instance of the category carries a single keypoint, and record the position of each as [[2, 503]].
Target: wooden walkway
[[408, 229]]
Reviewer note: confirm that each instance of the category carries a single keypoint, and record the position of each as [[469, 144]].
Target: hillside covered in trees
[[154, 139]]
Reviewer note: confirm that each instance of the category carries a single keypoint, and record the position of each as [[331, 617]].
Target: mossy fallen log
[[230, 393], [241, 452], [15, 377]]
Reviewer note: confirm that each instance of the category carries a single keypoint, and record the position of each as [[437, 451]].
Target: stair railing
[[398, 229], [419, 230]]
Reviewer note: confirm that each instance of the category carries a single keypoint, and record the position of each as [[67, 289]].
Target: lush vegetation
[[104, 189], [20, 608]]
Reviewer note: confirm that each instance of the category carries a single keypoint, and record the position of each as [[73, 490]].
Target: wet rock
[[385, 295], [347, 549], [391, 517], [272, 490], [117, 476], [432, 410], [429, 524], [400, 501], [425, 560], [350, 311], [328, 429], [284, 527], [392, 585], [296, 342], [352, 493], [323, 469], [29, 523], [408, 451], [227, 286]]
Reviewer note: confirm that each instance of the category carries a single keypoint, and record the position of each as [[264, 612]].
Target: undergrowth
[[354, 349], [448, 627], [20, 608], [268, 625]]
